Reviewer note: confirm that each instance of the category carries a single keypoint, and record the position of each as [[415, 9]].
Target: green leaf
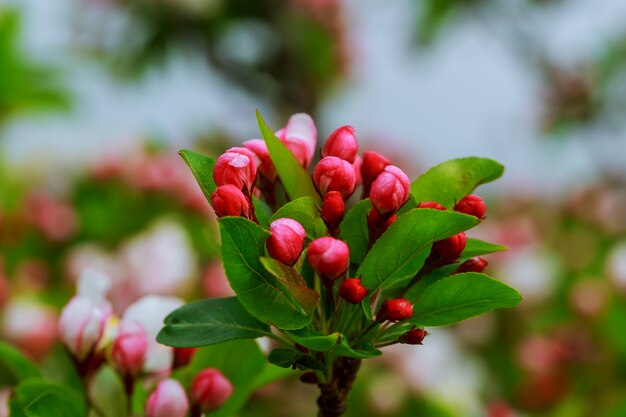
[[355, 232], [293, 282], [460, 297], [263, 212], [450, 181], [241, 361], [475, 247], [262, 294], [297, 181], [313, 340], [344, 349], [287, 358], [202, 168], [400, 253], [36, 398], [208, 322], [14, 367], [107, 393], [306, 211]]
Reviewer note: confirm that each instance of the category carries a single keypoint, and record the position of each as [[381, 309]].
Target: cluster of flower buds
[[235, 176]]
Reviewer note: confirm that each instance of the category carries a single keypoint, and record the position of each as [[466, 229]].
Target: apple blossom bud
[[129, 349], [81, 325], [373, 164], [265, 165], [182, 356], [210, 389], [334, 174], [448, 250], [413, 337], [390, 190], [376, 222], [333, 208], [477, 264], [397, 309], [472, 205], [431, 205], [358, 162], [328, 256], [342, 143], [352, 290], [168, 400], [286, 240], [300, 137], [228, 200], [237, 167]]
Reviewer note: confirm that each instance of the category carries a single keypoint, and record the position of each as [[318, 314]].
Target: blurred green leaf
[[34, 398], [14, 366]]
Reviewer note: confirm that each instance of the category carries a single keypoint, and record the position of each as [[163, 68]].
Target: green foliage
[[306, 211], [400, 253], [14, 367], [262, 294], [35, 398], [355, 232], [450, 181], [202, 168], [461, 296], [295, 179], [208, 322]]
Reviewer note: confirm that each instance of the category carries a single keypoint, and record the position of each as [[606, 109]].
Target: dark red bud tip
[[228, 200], [329, 257], [397, 309], [413, 337], [379, 223], [373, 164], [431, 205], [182, 356], [473, 265], [472, 205], [333, 208], [309, 378], [447, 251], [352, 290], [301, 348]]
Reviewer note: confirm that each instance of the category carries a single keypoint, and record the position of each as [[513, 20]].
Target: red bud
[[390, 190], [431, 205], [237, 167], [472, 205], [333, 207], [182, 356], [378, 223], [373, 164], [448, 250], [328, 256], [228, 200], [129, 348], [342, 143], [334, 174], [473, 265], [264, 162], [397, 309], [352, 290], [210, 389], [413, 337], [286, 240]]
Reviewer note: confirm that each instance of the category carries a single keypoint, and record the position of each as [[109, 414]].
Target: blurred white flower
[[532, 271], [616, 265], [150, 311], [30, 325]]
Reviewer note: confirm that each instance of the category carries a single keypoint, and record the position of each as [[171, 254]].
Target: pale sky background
[[469, 94]]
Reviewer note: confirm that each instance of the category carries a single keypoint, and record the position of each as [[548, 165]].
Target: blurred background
[[96, 97]]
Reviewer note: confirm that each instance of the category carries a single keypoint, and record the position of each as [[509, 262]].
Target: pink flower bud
[[129, 349], [328, 256], [286, 240], [352, 290], [342, 143], [473, 265], [210, 389], [413, 337], [300, 137], [448, 250], [431, 205], [182, 356], [472, 205], [373, 164], [390, 190], [82, 324], [168, 400], [397, 309], [334, 174], [237, 167], [265, 165], [228, 200], [357, 164], [333, 208]]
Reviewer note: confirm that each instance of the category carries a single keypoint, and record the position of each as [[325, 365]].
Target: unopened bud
[[342, 143], [431, 205], [168, 400], [352, 290], [472, 205], [334, 174], [236, 167], [286, 240], [129, 349], [477, 264], [333, 208], [390, 190], [228, 200], [210, 389], [328, 256], [373, 164], [448, 250], [265, 165], [413, 337], [378, 223], [397, 309], [182, 356]]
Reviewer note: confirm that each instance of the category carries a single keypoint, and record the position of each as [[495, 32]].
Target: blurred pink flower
[[215, 283], [55, 218], [31, 326]]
